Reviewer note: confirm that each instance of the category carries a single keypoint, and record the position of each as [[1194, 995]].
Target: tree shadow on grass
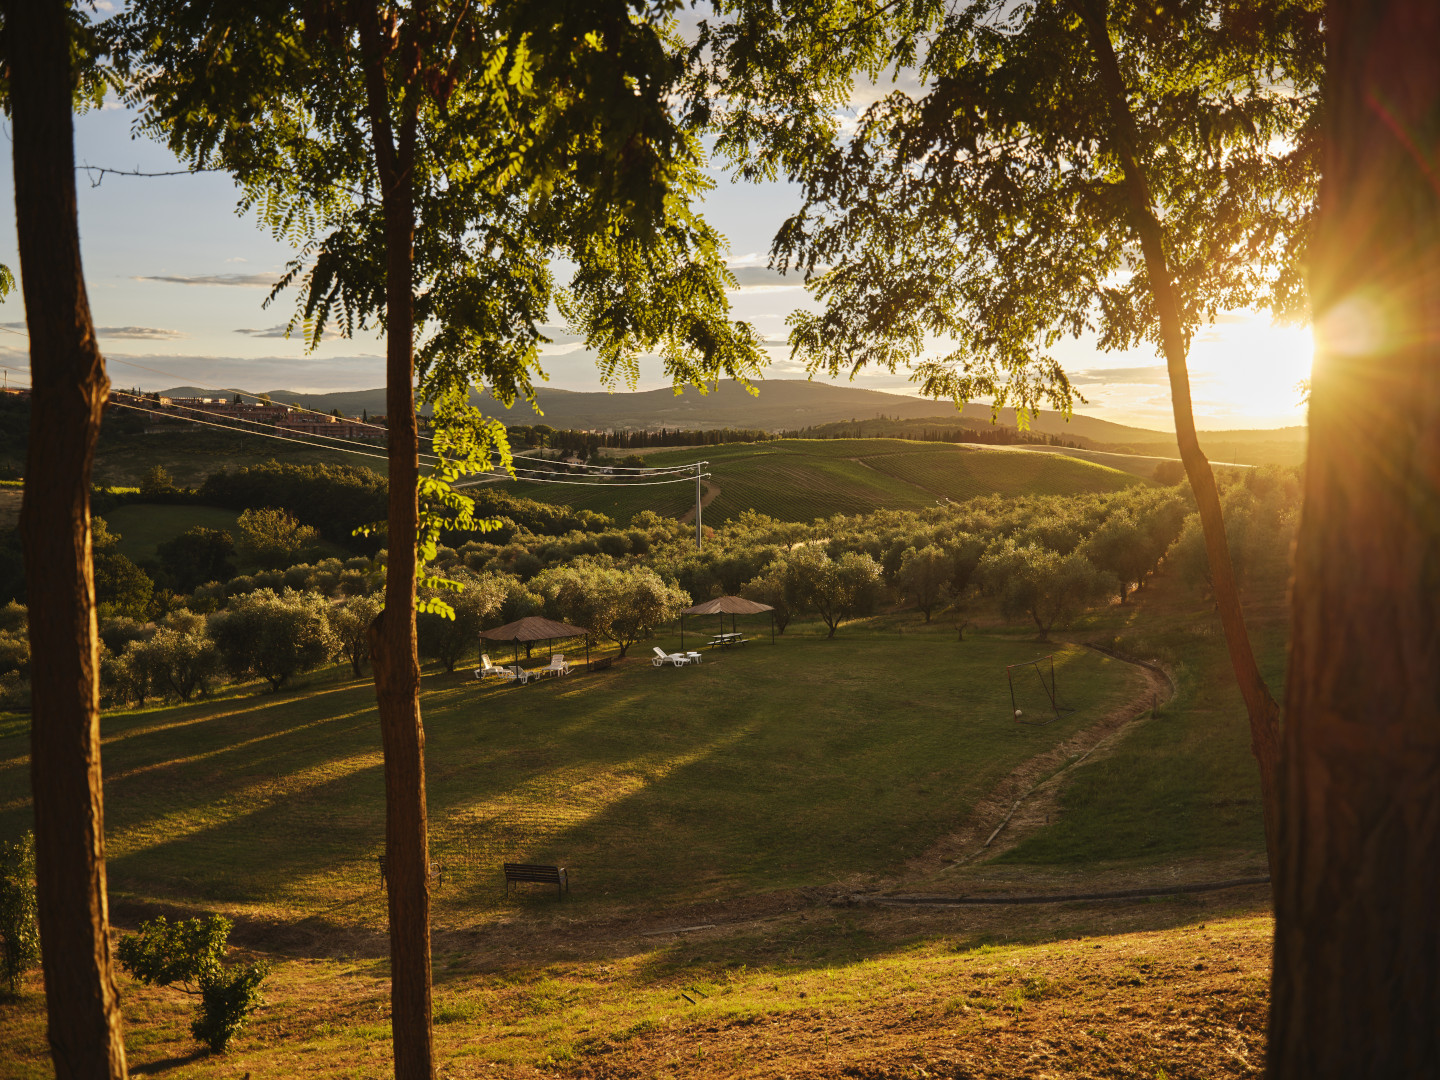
[[153, 1068]]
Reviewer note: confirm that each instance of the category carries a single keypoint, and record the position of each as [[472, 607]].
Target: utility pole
[[699, 532]]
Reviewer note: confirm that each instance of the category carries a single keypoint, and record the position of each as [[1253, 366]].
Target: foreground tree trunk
[[1356, 989], [393, 651], [1263, 712], [68, 376]]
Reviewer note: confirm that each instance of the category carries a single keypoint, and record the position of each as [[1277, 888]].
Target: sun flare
[[1246, 367]]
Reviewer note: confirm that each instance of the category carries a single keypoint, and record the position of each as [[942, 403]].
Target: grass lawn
[[143, 526], [1183, 784], [1169, 990], [804, 479], [811, 762], [685, 798]]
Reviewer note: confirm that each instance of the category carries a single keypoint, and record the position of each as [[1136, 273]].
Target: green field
[[804, 479], [145, 526]]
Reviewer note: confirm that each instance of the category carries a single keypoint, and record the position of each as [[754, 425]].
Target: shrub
[[13, 618], [19, 931], [192, 953]]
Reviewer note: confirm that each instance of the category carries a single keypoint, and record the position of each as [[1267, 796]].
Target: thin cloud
[[138, 333], [273, 332], [129, 333], [752, 275], [1150, 375], [245, 280]]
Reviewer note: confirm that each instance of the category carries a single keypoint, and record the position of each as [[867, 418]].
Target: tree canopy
[[980, 208]]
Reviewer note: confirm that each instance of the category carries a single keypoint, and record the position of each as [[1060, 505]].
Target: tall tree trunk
[[393, 652], [1356, 990], [1263, 712], [70, 386]]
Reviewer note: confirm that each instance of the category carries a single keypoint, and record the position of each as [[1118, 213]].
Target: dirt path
[[708, 494]]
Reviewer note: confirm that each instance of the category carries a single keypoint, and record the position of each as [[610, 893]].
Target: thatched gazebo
[[727, 605], [533, 628]]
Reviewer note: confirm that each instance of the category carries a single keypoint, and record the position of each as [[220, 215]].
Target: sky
[[178, 282]]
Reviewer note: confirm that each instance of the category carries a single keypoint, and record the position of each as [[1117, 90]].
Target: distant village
[[234, 410]]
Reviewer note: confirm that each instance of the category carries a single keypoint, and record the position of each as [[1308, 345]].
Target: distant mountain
[[781, 404]]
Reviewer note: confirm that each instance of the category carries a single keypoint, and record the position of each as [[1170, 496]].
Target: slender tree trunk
[[68, 398], [1264, 713], [1356, 989], [393, 652]]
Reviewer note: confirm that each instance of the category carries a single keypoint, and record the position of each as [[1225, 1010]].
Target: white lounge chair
[[558, 666], [662, 658], [487, 670]]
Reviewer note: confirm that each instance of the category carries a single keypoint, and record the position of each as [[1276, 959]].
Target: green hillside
[[802, 479], [143, 527]]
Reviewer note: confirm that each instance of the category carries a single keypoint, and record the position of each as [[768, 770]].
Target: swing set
[[1047, 685]]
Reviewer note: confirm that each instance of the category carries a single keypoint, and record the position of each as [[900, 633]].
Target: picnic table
[[726, 640]]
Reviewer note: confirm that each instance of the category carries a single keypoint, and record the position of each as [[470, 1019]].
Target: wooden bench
[[541, 875], [437, 872]]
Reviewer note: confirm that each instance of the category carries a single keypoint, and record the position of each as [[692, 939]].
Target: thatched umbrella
[[727, 605], [533, 628]]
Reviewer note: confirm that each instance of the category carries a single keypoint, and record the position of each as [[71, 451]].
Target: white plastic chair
[[489, 670]]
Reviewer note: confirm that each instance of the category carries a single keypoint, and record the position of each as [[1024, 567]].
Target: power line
[[531, 474], [263, 434], [244, 420], [380, 457], [583, 483], [663, 469]]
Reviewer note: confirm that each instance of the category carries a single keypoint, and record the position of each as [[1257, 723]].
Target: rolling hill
[[804, 479], [790, 404]]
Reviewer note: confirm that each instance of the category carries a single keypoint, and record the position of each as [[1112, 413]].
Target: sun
[[1245, 369]]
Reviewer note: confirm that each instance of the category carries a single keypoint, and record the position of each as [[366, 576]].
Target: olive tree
[[274, 636], [835, 589], [351, 623], [1043, 585], [623, 606], [449, 639], [770, 587], [924, 577]]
